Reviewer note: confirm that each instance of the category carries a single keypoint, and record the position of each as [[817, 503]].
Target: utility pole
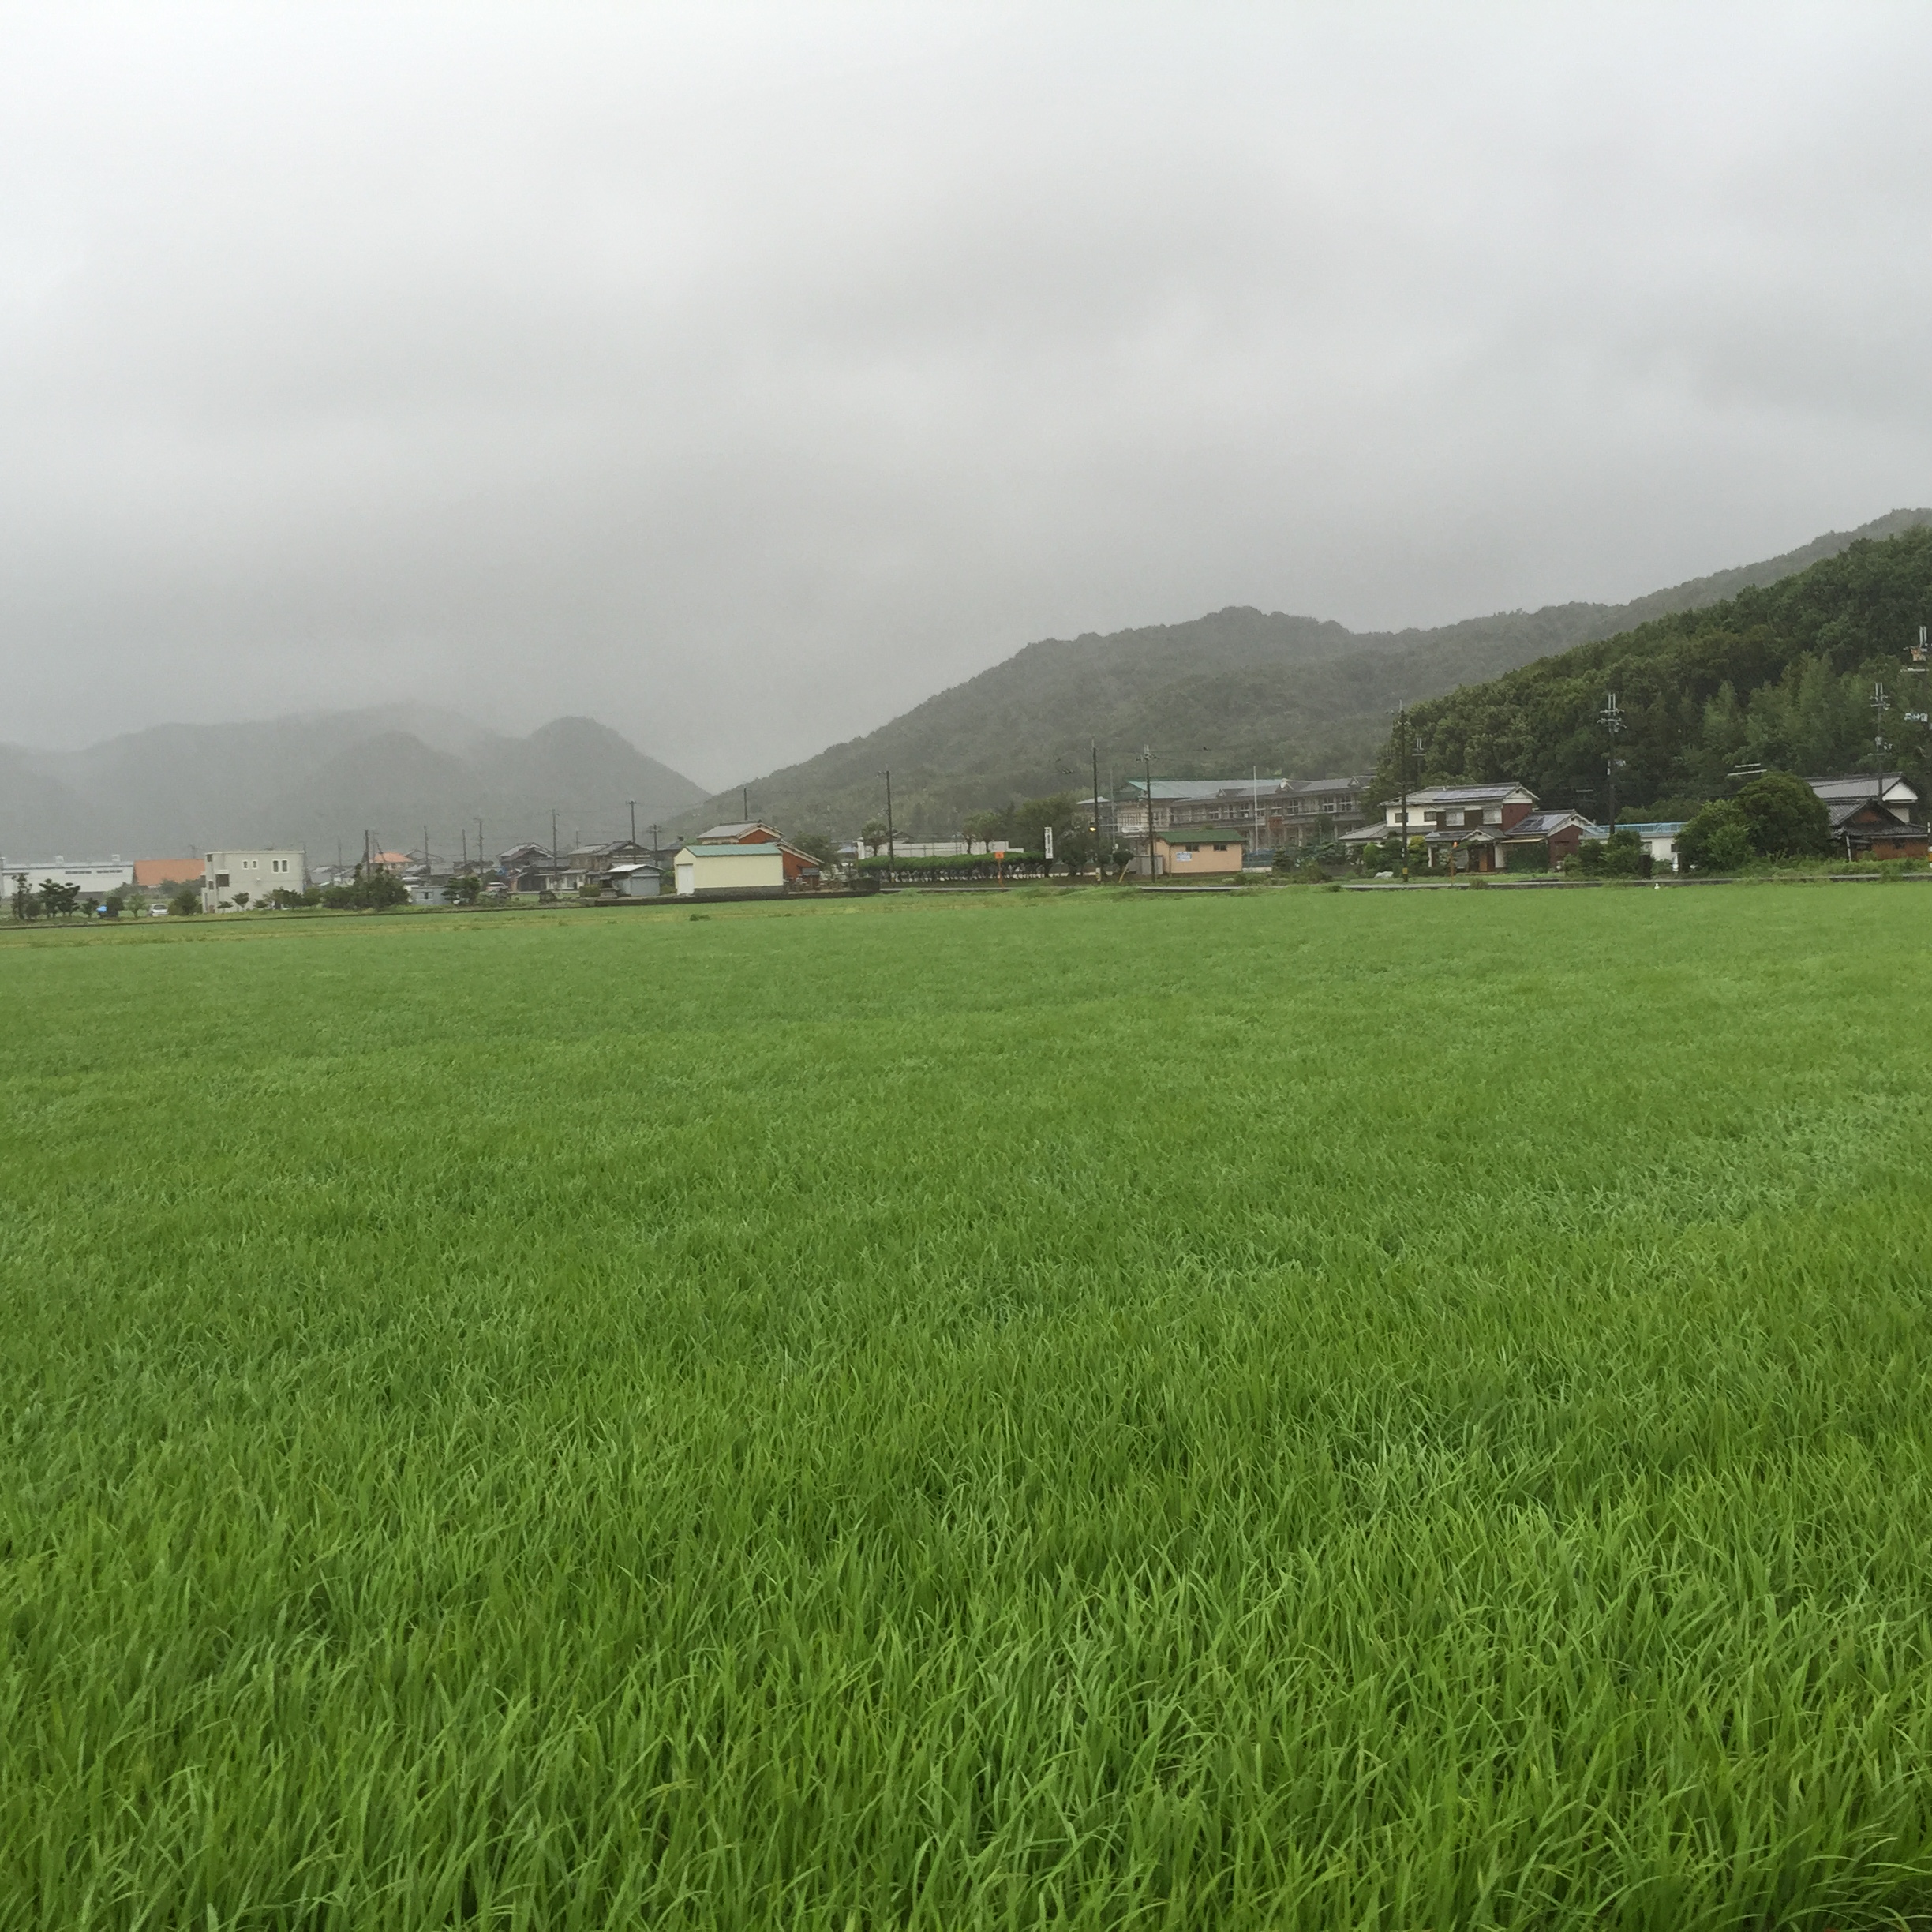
[[479, 841], [744, 802], [892, 854], [464, 835], [1402, 732], [1147, 754], [1099, 873], [553, 852], [634, 825], [1612, 721]]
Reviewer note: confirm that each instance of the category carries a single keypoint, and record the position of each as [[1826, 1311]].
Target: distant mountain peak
[[322, 779]]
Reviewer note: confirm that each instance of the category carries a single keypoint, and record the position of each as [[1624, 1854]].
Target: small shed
[[1195, 852], [643, 880], [705, 871]]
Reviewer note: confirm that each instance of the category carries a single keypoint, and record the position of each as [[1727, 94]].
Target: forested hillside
[[1784, 675], [1293, 695]]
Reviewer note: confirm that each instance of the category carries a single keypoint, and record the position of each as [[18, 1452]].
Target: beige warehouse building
[[703, 870]]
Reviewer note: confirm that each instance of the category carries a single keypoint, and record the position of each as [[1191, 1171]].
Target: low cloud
[[743, 376]]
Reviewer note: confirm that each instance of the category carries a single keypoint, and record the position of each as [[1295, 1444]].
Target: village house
[[594, 865], [528, 868], [1476, 828], [1870, 815]]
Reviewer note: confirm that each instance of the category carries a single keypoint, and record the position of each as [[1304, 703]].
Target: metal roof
[[732, 834], [698, 849], [1541, 825], [1842, 813], [1198, 787], [1268, 786], [1864, 785], [1467, 794]]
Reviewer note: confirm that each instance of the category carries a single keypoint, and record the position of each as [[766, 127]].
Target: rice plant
[[1291, 1411]]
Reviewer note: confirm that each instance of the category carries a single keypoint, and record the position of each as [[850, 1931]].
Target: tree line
[[1782, 676]]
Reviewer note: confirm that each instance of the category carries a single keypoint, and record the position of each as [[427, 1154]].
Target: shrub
[[1625, 856], [1787, 818], [372, 894], [1717, 839]]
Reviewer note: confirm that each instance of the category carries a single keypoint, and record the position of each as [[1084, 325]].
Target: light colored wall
[[1182, 863], [91, 875], [746, 871], [258, 873]]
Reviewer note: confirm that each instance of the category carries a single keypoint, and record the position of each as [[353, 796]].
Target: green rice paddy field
[[1300, 1409]]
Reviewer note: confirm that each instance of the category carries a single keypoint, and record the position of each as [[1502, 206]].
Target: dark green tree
[[1717, 839], [1787, 818]]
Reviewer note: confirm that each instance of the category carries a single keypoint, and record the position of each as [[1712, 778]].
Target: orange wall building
[[153, 872]]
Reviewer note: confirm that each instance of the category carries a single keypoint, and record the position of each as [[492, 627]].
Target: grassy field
[[1294, 1409]]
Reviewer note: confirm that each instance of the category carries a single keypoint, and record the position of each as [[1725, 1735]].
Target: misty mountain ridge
[[321, 780], [1237, 689]]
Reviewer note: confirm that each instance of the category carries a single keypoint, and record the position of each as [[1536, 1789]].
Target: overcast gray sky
[[742, 375]]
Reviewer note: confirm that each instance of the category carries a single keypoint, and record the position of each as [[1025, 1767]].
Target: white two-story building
[[231, 878]]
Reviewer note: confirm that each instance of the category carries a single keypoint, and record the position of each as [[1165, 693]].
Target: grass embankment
[[1308, 1410]]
